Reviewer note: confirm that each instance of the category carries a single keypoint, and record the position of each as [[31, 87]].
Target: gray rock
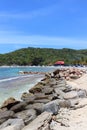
[[55, 125], [67, 88], [60, 85], [47, 90], [39, 122], [19, 107], [71, 95], [65, 103], [12, 124], [42, 101], [82, 93], [27, 116], [5, 115], [52, 107], [58, 92], [39, 96], [34, 106], [72, 76], [10, 128], [27, 97], [9, 103]]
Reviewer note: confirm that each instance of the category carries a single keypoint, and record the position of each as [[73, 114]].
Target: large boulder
[[37, 88], [65, 103], [12, 124], [52, 107], [9, 103], [5, 115], [35, 106], [19, 107], [71, 95], [27, 97], [40, 122], [27, 115]]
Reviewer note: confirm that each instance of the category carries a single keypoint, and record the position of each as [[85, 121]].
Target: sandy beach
[[77, 119]]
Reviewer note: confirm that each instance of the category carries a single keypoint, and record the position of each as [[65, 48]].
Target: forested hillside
[[43, 56]]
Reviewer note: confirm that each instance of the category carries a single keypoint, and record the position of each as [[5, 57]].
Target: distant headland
[[44, 56]]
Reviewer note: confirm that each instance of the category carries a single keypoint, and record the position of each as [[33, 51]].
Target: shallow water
[[15, 88], [12, 84]]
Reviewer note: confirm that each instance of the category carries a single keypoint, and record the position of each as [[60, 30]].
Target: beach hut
[[59, 63]]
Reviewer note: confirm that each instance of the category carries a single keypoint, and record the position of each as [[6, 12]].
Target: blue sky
[[43, 23]]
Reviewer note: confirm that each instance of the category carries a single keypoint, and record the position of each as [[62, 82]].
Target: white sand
[[80, 83], [77, 118]]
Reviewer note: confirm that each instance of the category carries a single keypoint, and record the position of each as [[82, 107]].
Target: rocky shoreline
[[47, 105]]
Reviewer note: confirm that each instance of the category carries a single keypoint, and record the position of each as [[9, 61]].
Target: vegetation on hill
[[43, 56]]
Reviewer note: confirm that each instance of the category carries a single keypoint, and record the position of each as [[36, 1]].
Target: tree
[[37, 61]]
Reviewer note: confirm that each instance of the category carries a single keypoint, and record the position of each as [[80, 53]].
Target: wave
[[14, 78]]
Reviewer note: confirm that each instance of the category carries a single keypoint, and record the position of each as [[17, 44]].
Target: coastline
[[14, 87], [51, 104]]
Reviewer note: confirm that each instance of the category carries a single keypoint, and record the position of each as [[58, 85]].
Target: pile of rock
[[39, 108], [70, 73], [30, 72]]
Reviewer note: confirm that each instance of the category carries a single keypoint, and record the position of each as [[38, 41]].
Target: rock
[[54, 125], [39, 122], [19, 107], [10, 128], [47, 90], [36, 89], [73, 76], [34, 106], [64, 123], [5, 115], [47, 75], [12, 124], [65, 103], [52, 107], [74, 102], [58, 92], [56, 72], [9, 103], [68, 88], [52, 82], [46, 126], [71, 95], [27, 115], [39, 96], [27, 97], [82, 93], [42, 101]]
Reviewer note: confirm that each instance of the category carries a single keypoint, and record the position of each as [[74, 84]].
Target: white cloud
[[40, 41]]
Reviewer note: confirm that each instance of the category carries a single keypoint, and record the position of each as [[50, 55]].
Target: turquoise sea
[[13, 84]]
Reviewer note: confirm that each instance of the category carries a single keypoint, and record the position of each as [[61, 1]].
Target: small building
[[59, 63]]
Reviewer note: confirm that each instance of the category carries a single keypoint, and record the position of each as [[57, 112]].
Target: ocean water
[[13, 84]]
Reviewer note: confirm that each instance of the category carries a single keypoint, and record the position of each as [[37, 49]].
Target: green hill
[[43, 56]]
